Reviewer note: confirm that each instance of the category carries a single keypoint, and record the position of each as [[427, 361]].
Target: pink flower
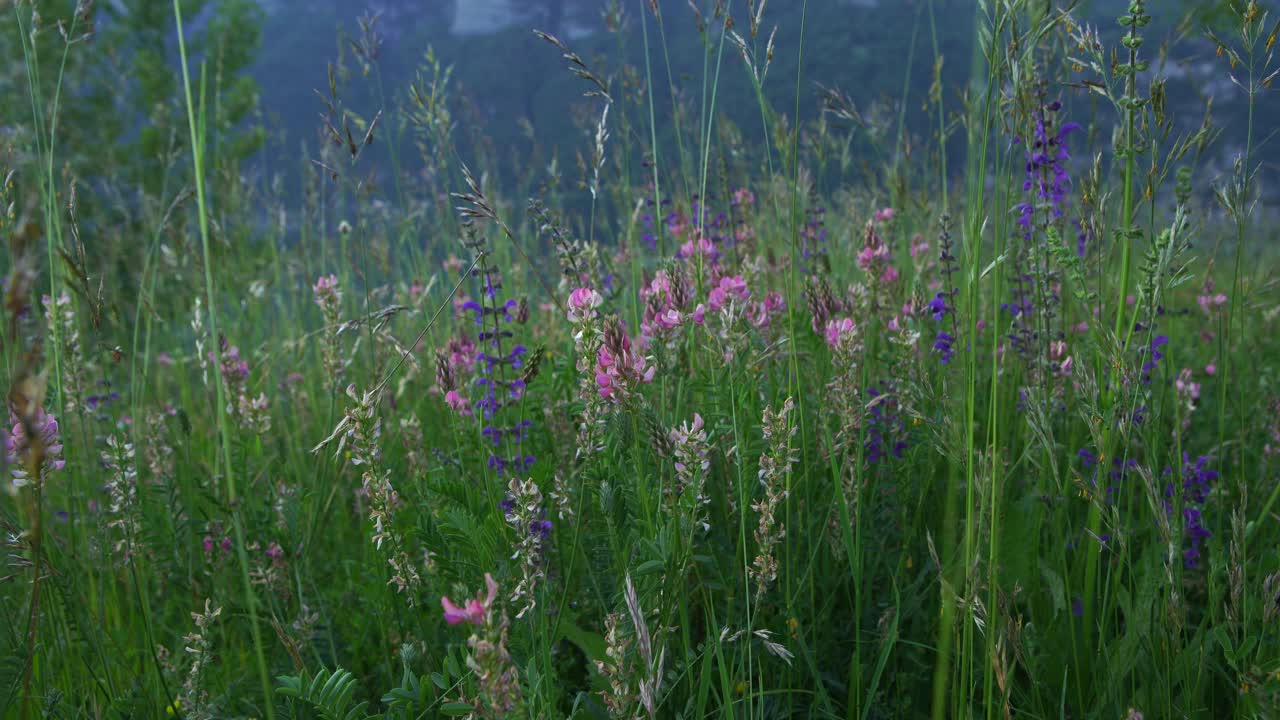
[[208, 544], [700, 245], [838, 330], [458, 403], [17, 446], [735, 285], [453, 264], [890, 275], [884, 215], [1057, 349], [1209, 302], [1210, 370], [919, 247], [670, 319], [699, 314], [325, 285], [583, 303], [475, 609], [165, 359], [744, 196], [1066, 366], [1185, 386], [621, 365], [717, 298], [874, 255]]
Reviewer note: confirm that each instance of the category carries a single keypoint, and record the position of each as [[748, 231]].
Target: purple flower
[[945, 347], [1153, 360], [1197, 481], [938, 306]]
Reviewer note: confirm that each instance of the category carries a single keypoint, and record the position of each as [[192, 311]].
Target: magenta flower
[[1209, 303], [17, 445], [838, 330], [699, 314], [458, 403], [621, 365], [475, 609], [669, 320], [884, 215], [583, 303]]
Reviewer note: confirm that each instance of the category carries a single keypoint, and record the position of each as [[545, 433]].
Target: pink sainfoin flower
[[475, 609], [583, 303], [1186, 387], [884, 215], [327, 294], [20, 451], [699, 245], [462, 354], [621, 366], [1208, 299], [761, 314], [328, 297], [665, 298], [743, 196], [919, 247], [874, 257], [458, 403], [235, 370], [452, 265], [692, 463], [1209, 303], [729, 288], [840, 332]]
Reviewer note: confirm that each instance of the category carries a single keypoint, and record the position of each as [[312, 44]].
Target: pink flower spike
[[475, 608], [583, 303], [452, 613], [457, 403]]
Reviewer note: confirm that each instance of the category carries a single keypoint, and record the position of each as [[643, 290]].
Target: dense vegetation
[[732, 391]]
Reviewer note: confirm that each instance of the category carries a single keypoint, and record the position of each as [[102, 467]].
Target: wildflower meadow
[[964, 405]]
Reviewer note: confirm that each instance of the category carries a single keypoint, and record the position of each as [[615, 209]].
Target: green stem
[[224, 434]]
